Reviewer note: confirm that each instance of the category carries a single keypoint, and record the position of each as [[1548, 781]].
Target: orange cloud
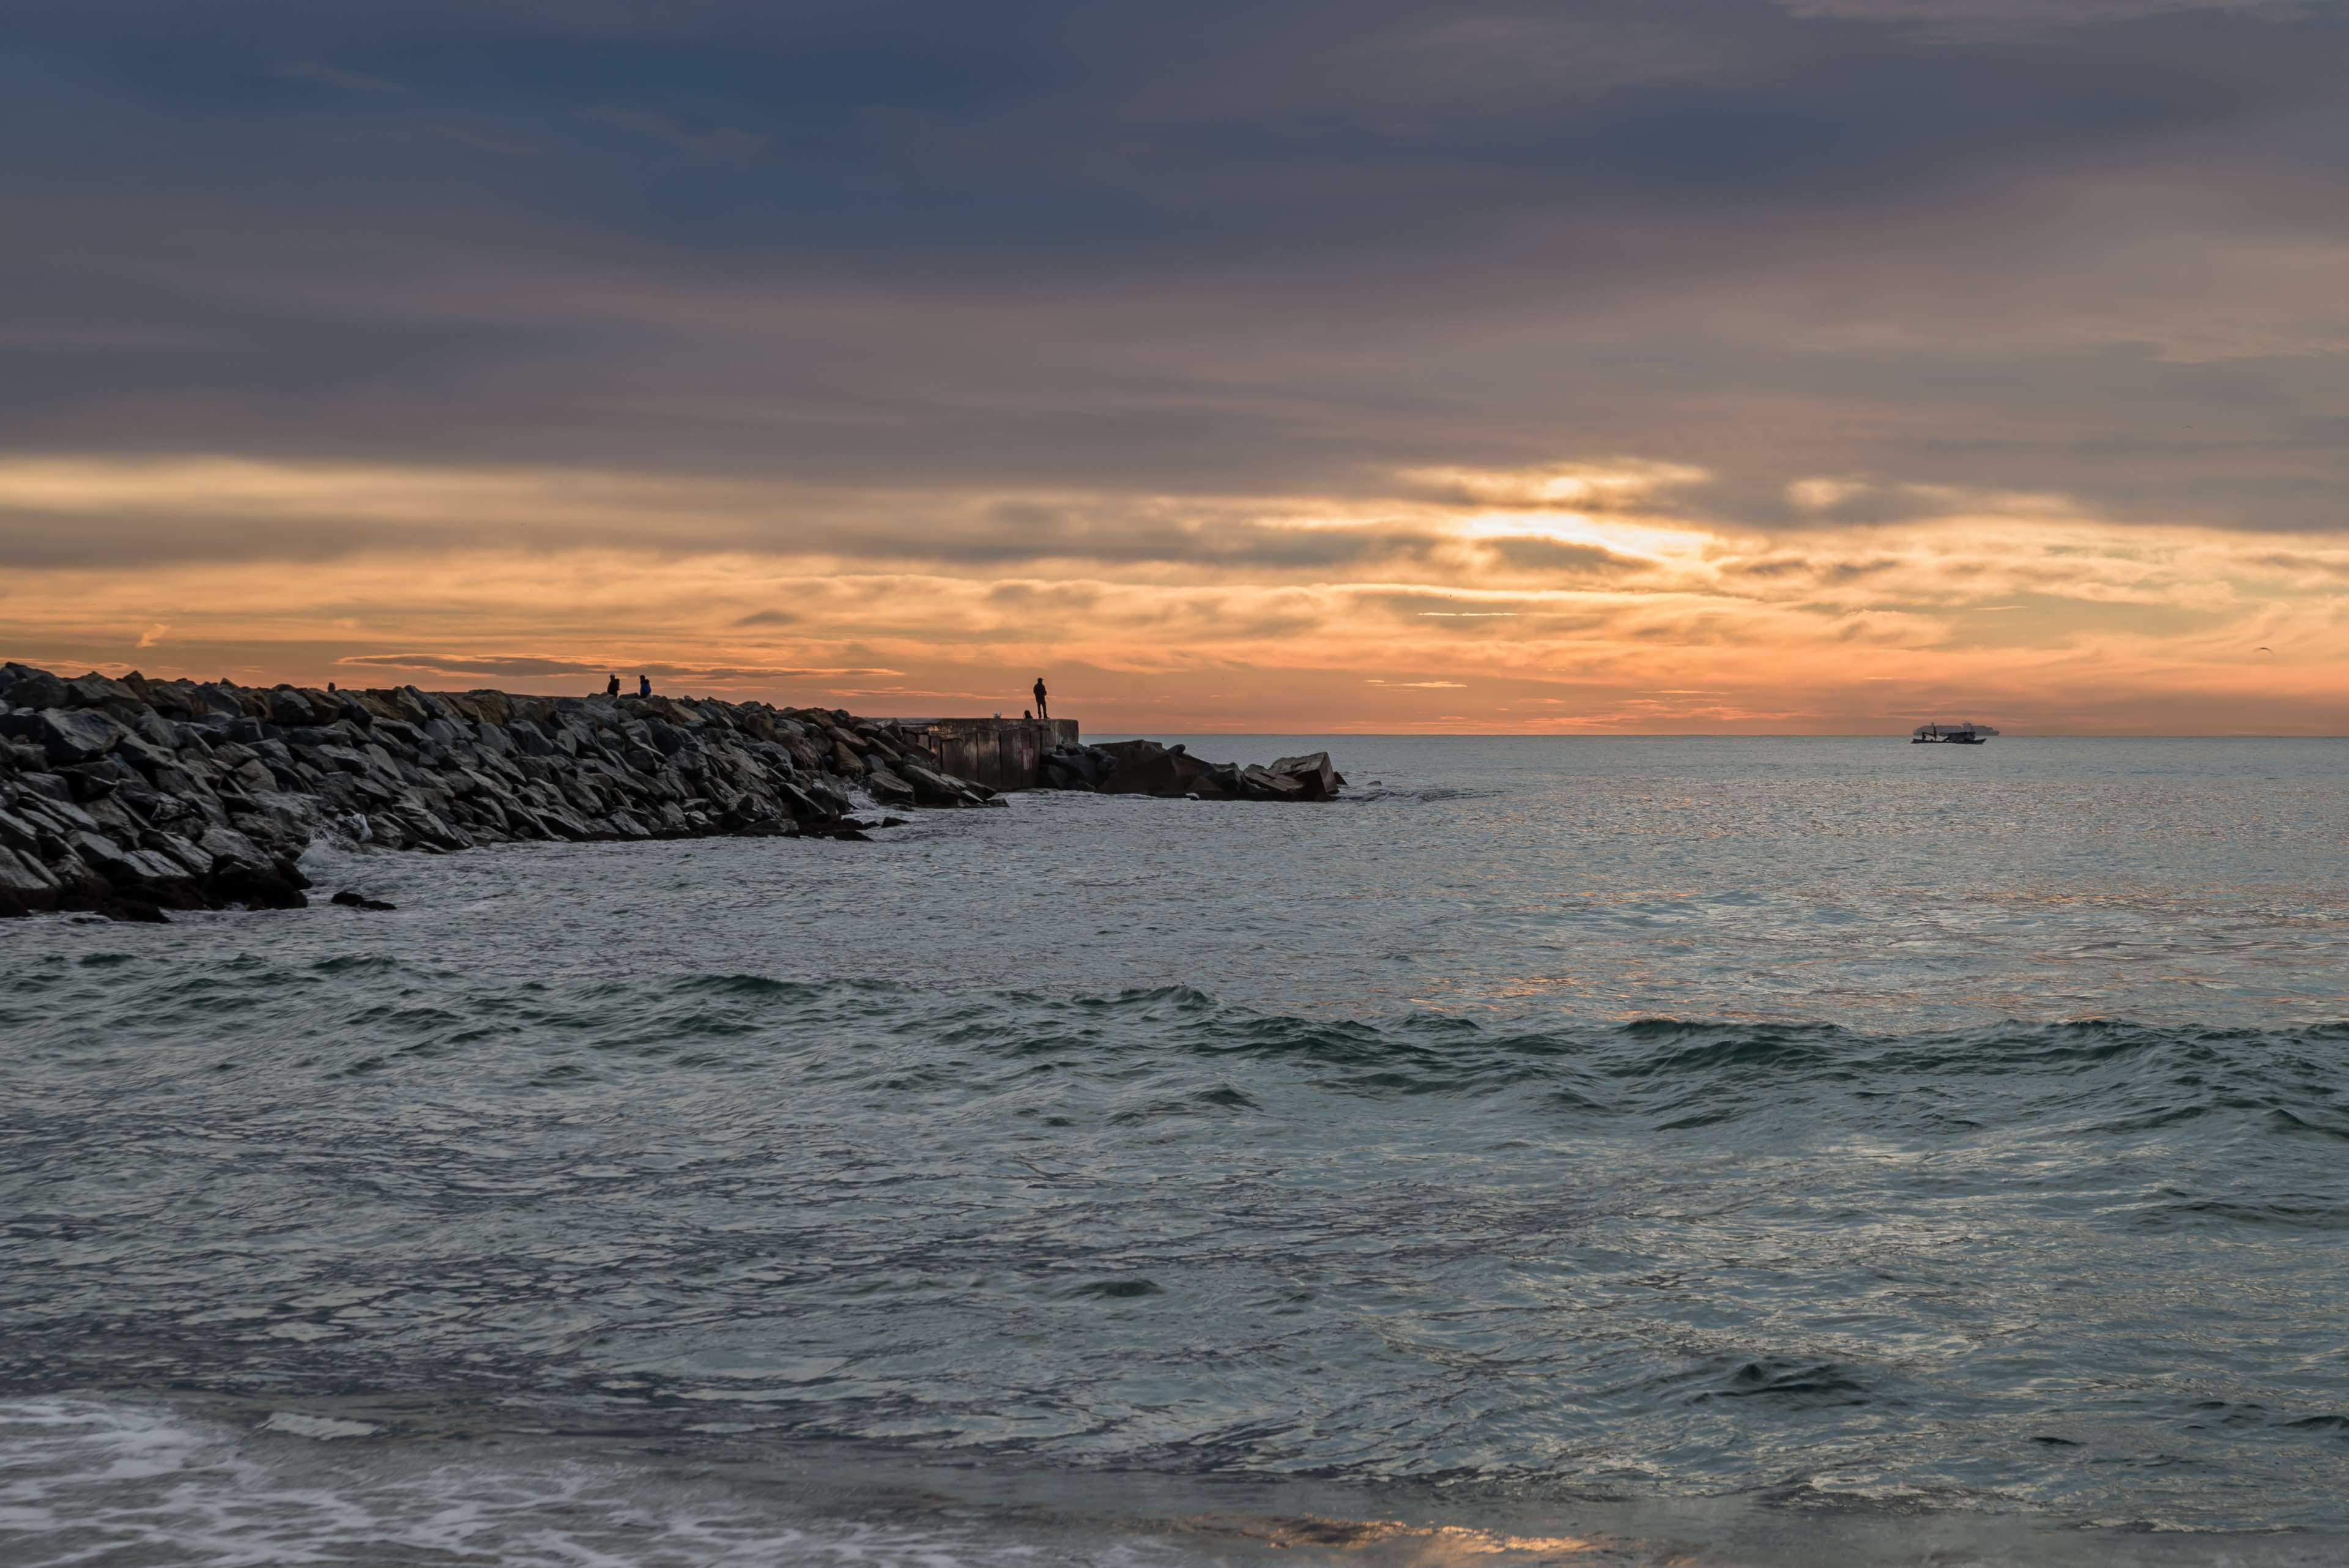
[[1569, 597]]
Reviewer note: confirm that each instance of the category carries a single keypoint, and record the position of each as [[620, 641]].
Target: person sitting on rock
[[644, 685], [614, 689], [1040, 712]]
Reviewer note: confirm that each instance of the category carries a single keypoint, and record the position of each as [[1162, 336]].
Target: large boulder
[[930, 788], [1218, 781], [1263, 783], [289, 708], [1077, 767], [123, 865], [27, 887], [19, 832], [1169, 772], [216, 699], [1124, 753], [226, 845], [278, 820], [264, 886], [56, 812], [1150, 773], [1322, 781], [33, 688], [159, 732], [887, 786], [140, 873], [191, 857], [802, 804], [65, 736], [529, 739], [1053, 772], [95, 690]]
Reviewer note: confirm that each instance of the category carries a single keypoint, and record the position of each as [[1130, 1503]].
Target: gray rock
[[95, 690], [127, 867], [1321, 780], [143, 753], [1266, 785], [888, 787], [429, 827], [37, 688], [19, 831], [190, 858], [397, 732], [262, 886], [227, 844], [62, 815], [289, 708], [276, 817], [66, 735], [27, 887], [930, 788], [174, 780], [116, 818], [157, 730], [528, 739], [216, 700], [50, 786]]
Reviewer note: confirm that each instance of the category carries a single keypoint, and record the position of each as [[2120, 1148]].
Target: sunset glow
[[1415, 611], [1529, 371]]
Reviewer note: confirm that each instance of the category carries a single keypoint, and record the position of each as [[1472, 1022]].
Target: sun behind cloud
[[1492, 588]]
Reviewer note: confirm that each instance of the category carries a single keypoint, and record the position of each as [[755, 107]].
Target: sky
[[1630, 366]]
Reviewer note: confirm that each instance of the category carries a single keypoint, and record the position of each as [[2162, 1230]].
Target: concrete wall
[[1001, 753]]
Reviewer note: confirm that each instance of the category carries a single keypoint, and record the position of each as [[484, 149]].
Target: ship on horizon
[[1966, 734]]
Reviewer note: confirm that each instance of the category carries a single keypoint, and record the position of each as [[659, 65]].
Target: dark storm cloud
[[1210, 249]]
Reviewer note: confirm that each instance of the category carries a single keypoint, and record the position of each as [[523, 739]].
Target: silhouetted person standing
[[644, 685], [1040, 713], [614, 689]]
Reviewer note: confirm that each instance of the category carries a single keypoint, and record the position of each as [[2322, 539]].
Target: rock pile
[[1146, 767], [133, 796], [129, 797]]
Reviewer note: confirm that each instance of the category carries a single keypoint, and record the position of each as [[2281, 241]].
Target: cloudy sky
[[1589, 365]]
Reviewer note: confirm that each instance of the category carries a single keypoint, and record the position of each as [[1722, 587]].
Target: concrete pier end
[[1001, 753]]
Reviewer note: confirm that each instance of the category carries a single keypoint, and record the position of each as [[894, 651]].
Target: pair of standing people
[[644, 686]]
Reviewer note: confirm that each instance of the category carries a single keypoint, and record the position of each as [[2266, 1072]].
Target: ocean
[[1585, 1150]]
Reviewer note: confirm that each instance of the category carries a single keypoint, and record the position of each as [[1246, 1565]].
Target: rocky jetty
[[130, 797], [1146, 767]]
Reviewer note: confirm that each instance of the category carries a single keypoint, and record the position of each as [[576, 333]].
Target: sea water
[[1582, 1150]]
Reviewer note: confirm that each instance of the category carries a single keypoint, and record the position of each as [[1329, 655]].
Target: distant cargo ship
[[1966, 734]]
